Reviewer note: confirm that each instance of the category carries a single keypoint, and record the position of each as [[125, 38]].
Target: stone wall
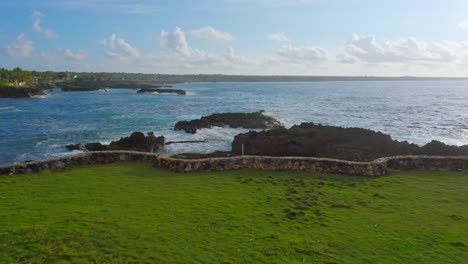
[[273, 163], [444, 163], [88, 158], [378, 167]]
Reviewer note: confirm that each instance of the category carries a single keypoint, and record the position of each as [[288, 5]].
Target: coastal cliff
[[93, 85], [13, 92]]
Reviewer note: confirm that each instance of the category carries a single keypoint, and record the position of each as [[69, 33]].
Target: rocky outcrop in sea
[[161, 90], [137, 141], [255, 120], [314, 140]]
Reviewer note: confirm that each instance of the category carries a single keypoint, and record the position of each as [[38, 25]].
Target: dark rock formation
[[96, 146], [438, 148], [75, 147], [45, 85], [12, 92], [185, 142], [159, 90], [89, 85], [311, 140], [137, 141], [256, 120], [72, 88]]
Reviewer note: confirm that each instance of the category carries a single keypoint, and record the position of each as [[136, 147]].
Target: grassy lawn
[[128, 213], [8, 86]]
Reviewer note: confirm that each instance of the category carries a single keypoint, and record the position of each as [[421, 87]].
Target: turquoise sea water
[[417, 111]]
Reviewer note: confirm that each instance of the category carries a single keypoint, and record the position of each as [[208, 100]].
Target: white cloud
[[113, 55], [303, 55], [102, 42], [237, 59], [463, 25], [279, 36], [183, 54], [21, 47], [211, 33], [345, 58], [177, 42], [48, 33], [74, 56], [407, 50], [121, 49]]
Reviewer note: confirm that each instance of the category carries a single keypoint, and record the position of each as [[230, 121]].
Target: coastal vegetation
[[17, 83], [15, 77], [90, 81], [128, 213]]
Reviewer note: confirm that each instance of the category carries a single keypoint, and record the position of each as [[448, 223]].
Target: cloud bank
[[47, 32], [211, 33], [20, 47]]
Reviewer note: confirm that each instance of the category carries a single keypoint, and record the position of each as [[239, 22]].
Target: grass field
[[132, 213], [8, 86]]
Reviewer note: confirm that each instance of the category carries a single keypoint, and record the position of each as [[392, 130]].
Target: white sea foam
[[41, 96], [216, 138], [66, 153], [7, 108], [162, 93]]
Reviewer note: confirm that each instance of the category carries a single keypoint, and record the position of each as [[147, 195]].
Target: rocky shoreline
[[314, 140], [11, 92], [87, 85], [304, 140]]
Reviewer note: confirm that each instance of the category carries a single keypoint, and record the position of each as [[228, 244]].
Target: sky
[[253, 37]]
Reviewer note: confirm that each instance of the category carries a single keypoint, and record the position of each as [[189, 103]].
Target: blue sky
[[293, 37]]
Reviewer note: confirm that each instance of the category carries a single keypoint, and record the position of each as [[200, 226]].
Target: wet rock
[[438, 148], [75, 147], [12, 92], [255, 120], [137, 141], [314, 140], [159, 90], [311, 140], [96, 146]]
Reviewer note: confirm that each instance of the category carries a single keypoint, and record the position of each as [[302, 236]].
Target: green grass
[[132, 213], [8, 86]]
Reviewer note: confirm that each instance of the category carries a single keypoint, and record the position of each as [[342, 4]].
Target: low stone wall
[[374, 168], [444, 163], [273, 163], [88, 158]]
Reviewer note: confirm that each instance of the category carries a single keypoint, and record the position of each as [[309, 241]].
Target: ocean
[[416, 111]]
